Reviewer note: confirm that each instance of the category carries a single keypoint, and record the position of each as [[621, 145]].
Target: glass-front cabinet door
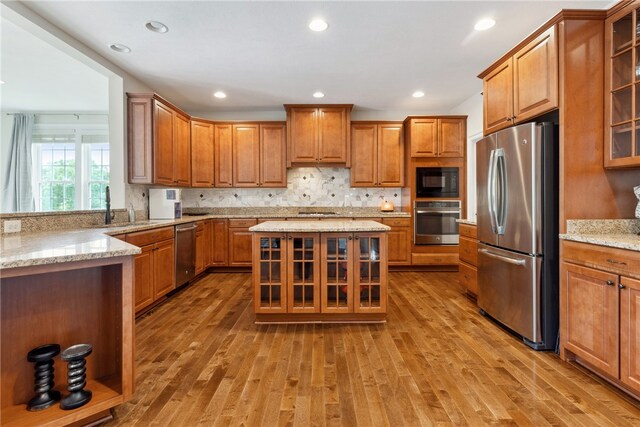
[[337, 273], [622, 96], [303, 275], [270, 293], [370, 294]]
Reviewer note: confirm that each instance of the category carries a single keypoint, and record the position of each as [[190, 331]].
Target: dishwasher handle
[[181, 229]]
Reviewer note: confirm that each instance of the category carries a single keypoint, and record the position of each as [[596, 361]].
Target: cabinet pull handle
[[610, 283], [350, 238], [613, 261], [621, 286], [357, 237], [290, 238], [513, 118]]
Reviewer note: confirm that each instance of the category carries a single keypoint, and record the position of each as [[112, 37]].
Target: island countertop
[[319, 227]]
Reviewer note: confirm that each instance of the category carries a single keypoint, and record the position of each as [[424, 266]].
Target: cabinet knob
[[350, 238], [290, 238], [610, 283], [621, 286], [357, 237]]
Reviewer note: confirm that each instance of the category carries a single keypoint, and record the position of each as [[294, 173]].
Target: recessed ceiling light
[[120, 48], [484, 24], [418, 94], [318, 94], [156, 27], [220, 94], [318, 25]]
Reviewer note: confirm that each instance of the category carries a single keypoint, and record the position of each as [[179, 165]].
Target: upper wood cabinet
[[223, 144], [202, 165], [318, 134], [437, 136], [523, 85], [377, 153], [159, 142], [622, 87], [273, 152], [246, 155]]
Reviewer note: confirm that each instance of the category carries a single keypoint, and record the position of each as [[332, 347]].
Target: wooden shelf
[[105, 395]]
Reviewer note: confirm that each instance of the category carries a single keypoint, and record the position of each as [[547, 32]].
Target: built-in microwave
[[437, 182]]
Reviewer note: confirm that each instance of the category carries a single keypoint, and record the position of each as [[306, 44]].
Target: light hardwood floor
[[202, 361]]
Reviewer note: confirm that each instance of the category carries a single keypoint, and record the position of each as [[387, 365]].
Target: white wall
[[472, 107], [119, 83]]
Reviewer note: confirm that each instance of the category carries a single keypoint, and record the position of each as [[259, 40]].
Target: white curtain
[[17, 194]]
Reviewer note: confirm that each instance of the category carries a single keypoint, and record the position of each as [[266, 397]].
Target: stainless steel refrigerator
[[517, 196]]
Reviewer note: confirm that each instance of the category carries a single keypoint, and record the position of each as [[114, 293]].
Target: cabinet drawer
[[470, 231], [434, 259], [142, 238], [613, 260], [397, 222], [242, 223], [469, 250], [468, 277]]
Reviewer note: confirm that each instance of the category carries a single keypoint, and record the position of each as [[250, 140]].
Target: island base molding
[[320, 318]]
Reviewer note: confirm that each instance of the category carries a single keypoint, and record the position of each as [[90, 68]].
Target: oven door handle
[[436, 212]]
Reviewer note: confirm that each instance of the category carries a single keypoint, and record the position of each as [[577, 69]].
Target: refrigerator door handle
[[491, 191], [501, 174], [502, 257]]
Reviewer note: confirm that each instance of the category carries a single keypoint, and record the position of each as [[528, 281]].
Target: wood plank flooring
[[200, 360]]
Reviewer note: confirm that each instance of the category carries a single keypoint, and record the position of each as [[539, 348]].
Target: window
[[70, 168]]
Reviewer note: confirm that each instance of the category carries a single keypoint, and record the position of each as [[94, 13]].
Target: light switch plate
[[12, 226]]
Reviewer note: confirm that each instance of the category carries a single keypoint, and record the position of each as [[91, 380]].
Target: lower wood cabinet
[[219, 242], [154, 267], [399, 238], [600, 311], [319, 274], [203, 246], [240, 242], [468, 267]]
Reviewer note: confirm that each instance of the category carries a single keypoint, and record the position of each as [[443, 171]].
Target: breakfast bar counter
[[317, 272]]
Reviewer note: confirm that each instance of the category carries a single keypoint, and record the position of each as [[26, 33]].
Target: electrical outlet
[[12, 226]]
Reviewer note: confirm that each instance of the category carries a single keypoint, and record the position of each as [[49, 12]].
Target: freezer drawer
[[509, 289]]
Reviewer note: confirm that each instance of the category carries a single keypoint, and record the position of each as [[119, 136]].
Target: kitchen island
[[66, 288], [324, 271]]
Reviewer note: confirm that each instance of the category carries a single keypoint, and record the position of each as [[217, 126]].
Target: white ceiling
[[39, 77], [374, 54]]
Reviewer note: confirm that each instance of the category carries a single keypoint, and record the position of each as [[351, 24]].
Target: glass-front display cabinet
[[371, 270], [303, 279], [269, 253], [337, 273], [622, 88]]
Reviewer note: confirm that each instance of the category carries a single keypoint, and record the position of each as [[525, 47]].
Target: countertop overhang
[[319, 227]]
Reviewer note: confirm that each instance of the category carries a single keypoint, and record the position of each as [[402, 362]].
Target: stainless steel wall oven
[[435, 222]]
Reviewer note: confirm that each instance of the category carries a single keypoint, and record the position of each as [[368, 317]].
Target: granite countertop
[[620, 233], [318, 226], [467, 221], [29, 249]]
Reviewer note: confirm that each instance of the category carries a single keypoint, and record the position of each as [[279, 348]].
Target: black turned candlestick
[[43, 358], [76, 376]]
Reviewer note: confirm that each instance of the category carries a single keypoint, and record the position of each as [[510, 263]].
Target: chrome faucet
[[107, 216]]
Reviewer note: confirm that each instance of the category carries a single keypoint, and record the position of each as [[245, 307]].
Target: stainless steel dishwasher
[[185, 252]]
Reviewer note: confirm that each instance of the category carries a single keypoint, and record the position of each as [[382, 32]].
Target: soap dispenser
[[132, 213]]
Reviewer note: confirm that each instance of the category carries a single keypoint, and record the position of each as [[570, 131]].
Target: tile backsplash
[[308, 186]]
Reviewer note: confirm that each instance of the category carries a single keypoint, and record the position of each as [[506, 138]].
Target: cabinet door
[[164, 268], [535, 77], [163, 144], [269, 274], [223, 155], [140, 140], [143, 277], [498, 98], [201, 154], [239, 247], [468, 278], [423, 134], [303, 273], [246, 155], [364, 154], [200, 249], [303, 132], [591, 311], [399, 246], [452, 137], [337, 273], [332, 139], [370, 279], [219, 242], [182, 146], [630, 333], [390, 156], [273, 171]]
